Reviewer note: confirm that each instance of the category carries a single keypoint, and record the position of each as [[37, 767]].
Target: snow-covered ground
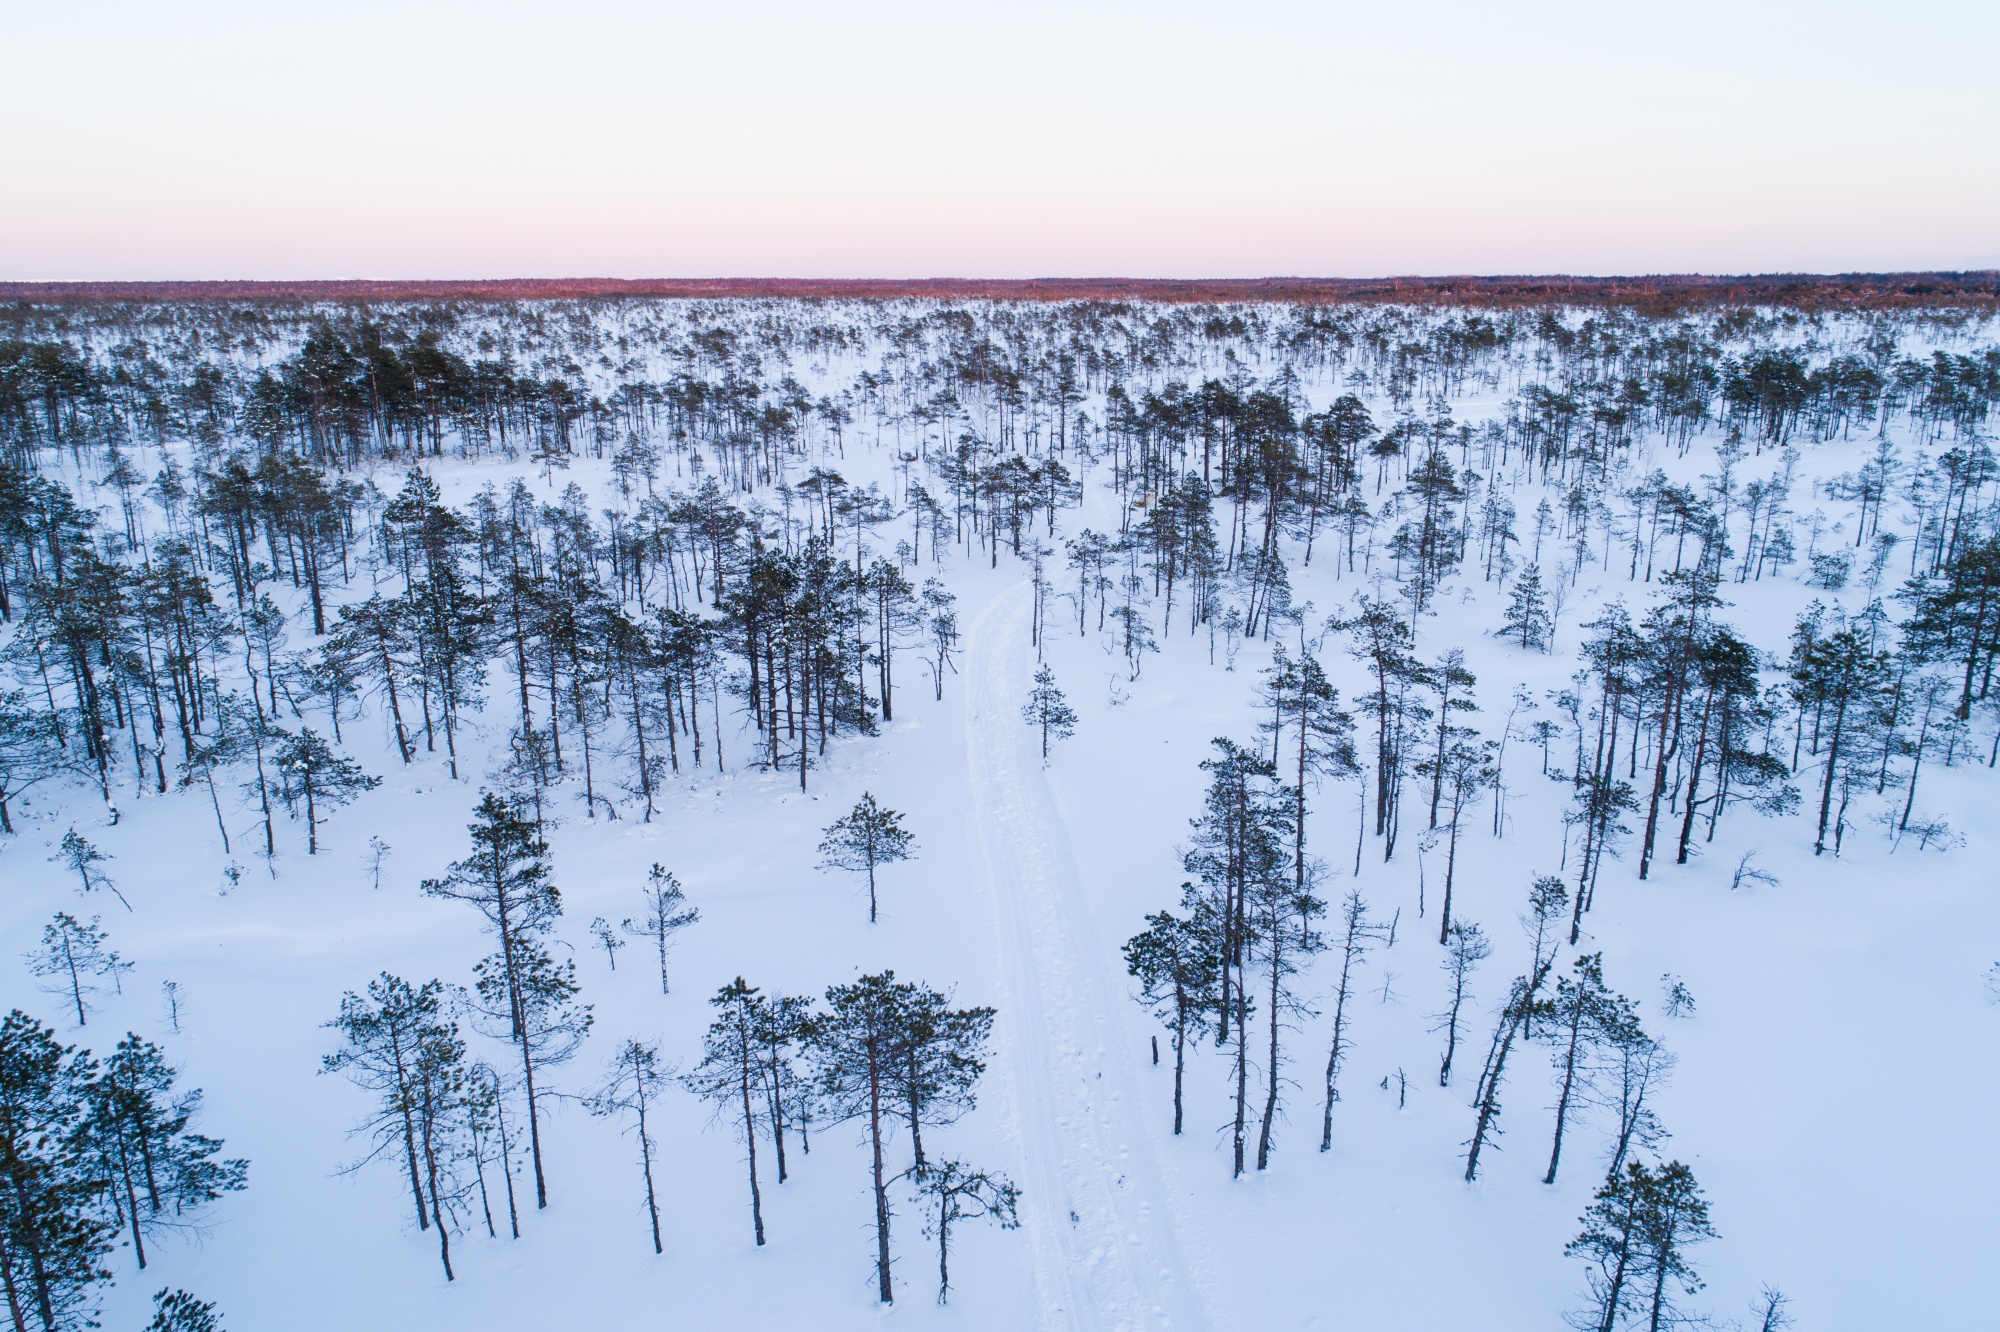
[[1834, 1091]]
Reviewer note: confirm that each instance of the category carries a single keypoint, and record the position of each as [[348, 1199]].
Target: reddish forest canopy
[[1652, 293]]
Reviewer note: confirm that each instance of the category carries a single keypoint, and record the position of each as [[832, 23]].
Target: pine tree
[[1465, 948], [1610, 1242], [1178, 963], [532, 1001], [1578, 1013], [1547, 900], [883, 1041], [54, 1231], [940, 632], [1527, 618], [869, 835], [952, 1191], [73, 958], [399, 1043], [732, 1074], [178, 1311], [31, 750], [81, 858], [1675, 1219], [309, 770], [1280, 920], [607, 939], [632, 1087], [1636, 1236], [506, 879], [163, 1175], [1469, 767], [666, 915], [786, 1026], [940, 1055], [1356, 934], [1240, 848], [1633, 1068], [854, 1050], [1838, 676], [1048, 709], [1305, 702]]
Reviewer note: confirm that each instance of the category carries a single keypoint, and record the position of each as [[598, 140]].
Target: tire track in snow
[[1107, 1252]]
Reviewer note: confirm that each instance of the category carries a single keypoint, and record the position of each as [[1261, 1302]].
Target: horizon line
[[1975, 287]]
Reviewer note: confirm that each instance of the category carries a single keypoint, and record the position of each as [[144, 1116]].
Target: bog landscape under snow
[[1531, 768]]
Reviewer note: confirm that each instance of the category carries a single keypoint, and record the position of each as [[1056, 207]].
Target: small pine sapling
[[82, 859], [378, 851], [607, 939], [1527, 620]]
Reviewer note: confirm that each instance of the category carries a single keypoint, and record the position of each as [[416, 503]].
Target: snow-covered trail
[[1107, 1250]]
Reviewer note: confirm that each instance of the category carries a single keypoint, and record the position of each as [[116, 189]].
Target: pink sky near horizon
[[443, 139]]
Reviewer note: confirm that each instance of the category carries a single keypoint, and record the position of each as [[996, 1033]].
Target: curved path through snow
[[1107, 1251]]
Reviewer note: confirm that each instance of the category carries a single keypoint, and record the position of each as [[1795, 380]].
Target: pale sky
[[885, 138]]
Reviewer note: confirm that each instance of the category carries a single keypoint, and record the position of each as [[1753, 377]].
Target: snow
[[1834, 1091]]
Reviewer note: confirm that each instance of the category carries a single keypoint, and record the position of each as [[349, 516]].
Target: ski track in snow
[[1107, 1251]]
